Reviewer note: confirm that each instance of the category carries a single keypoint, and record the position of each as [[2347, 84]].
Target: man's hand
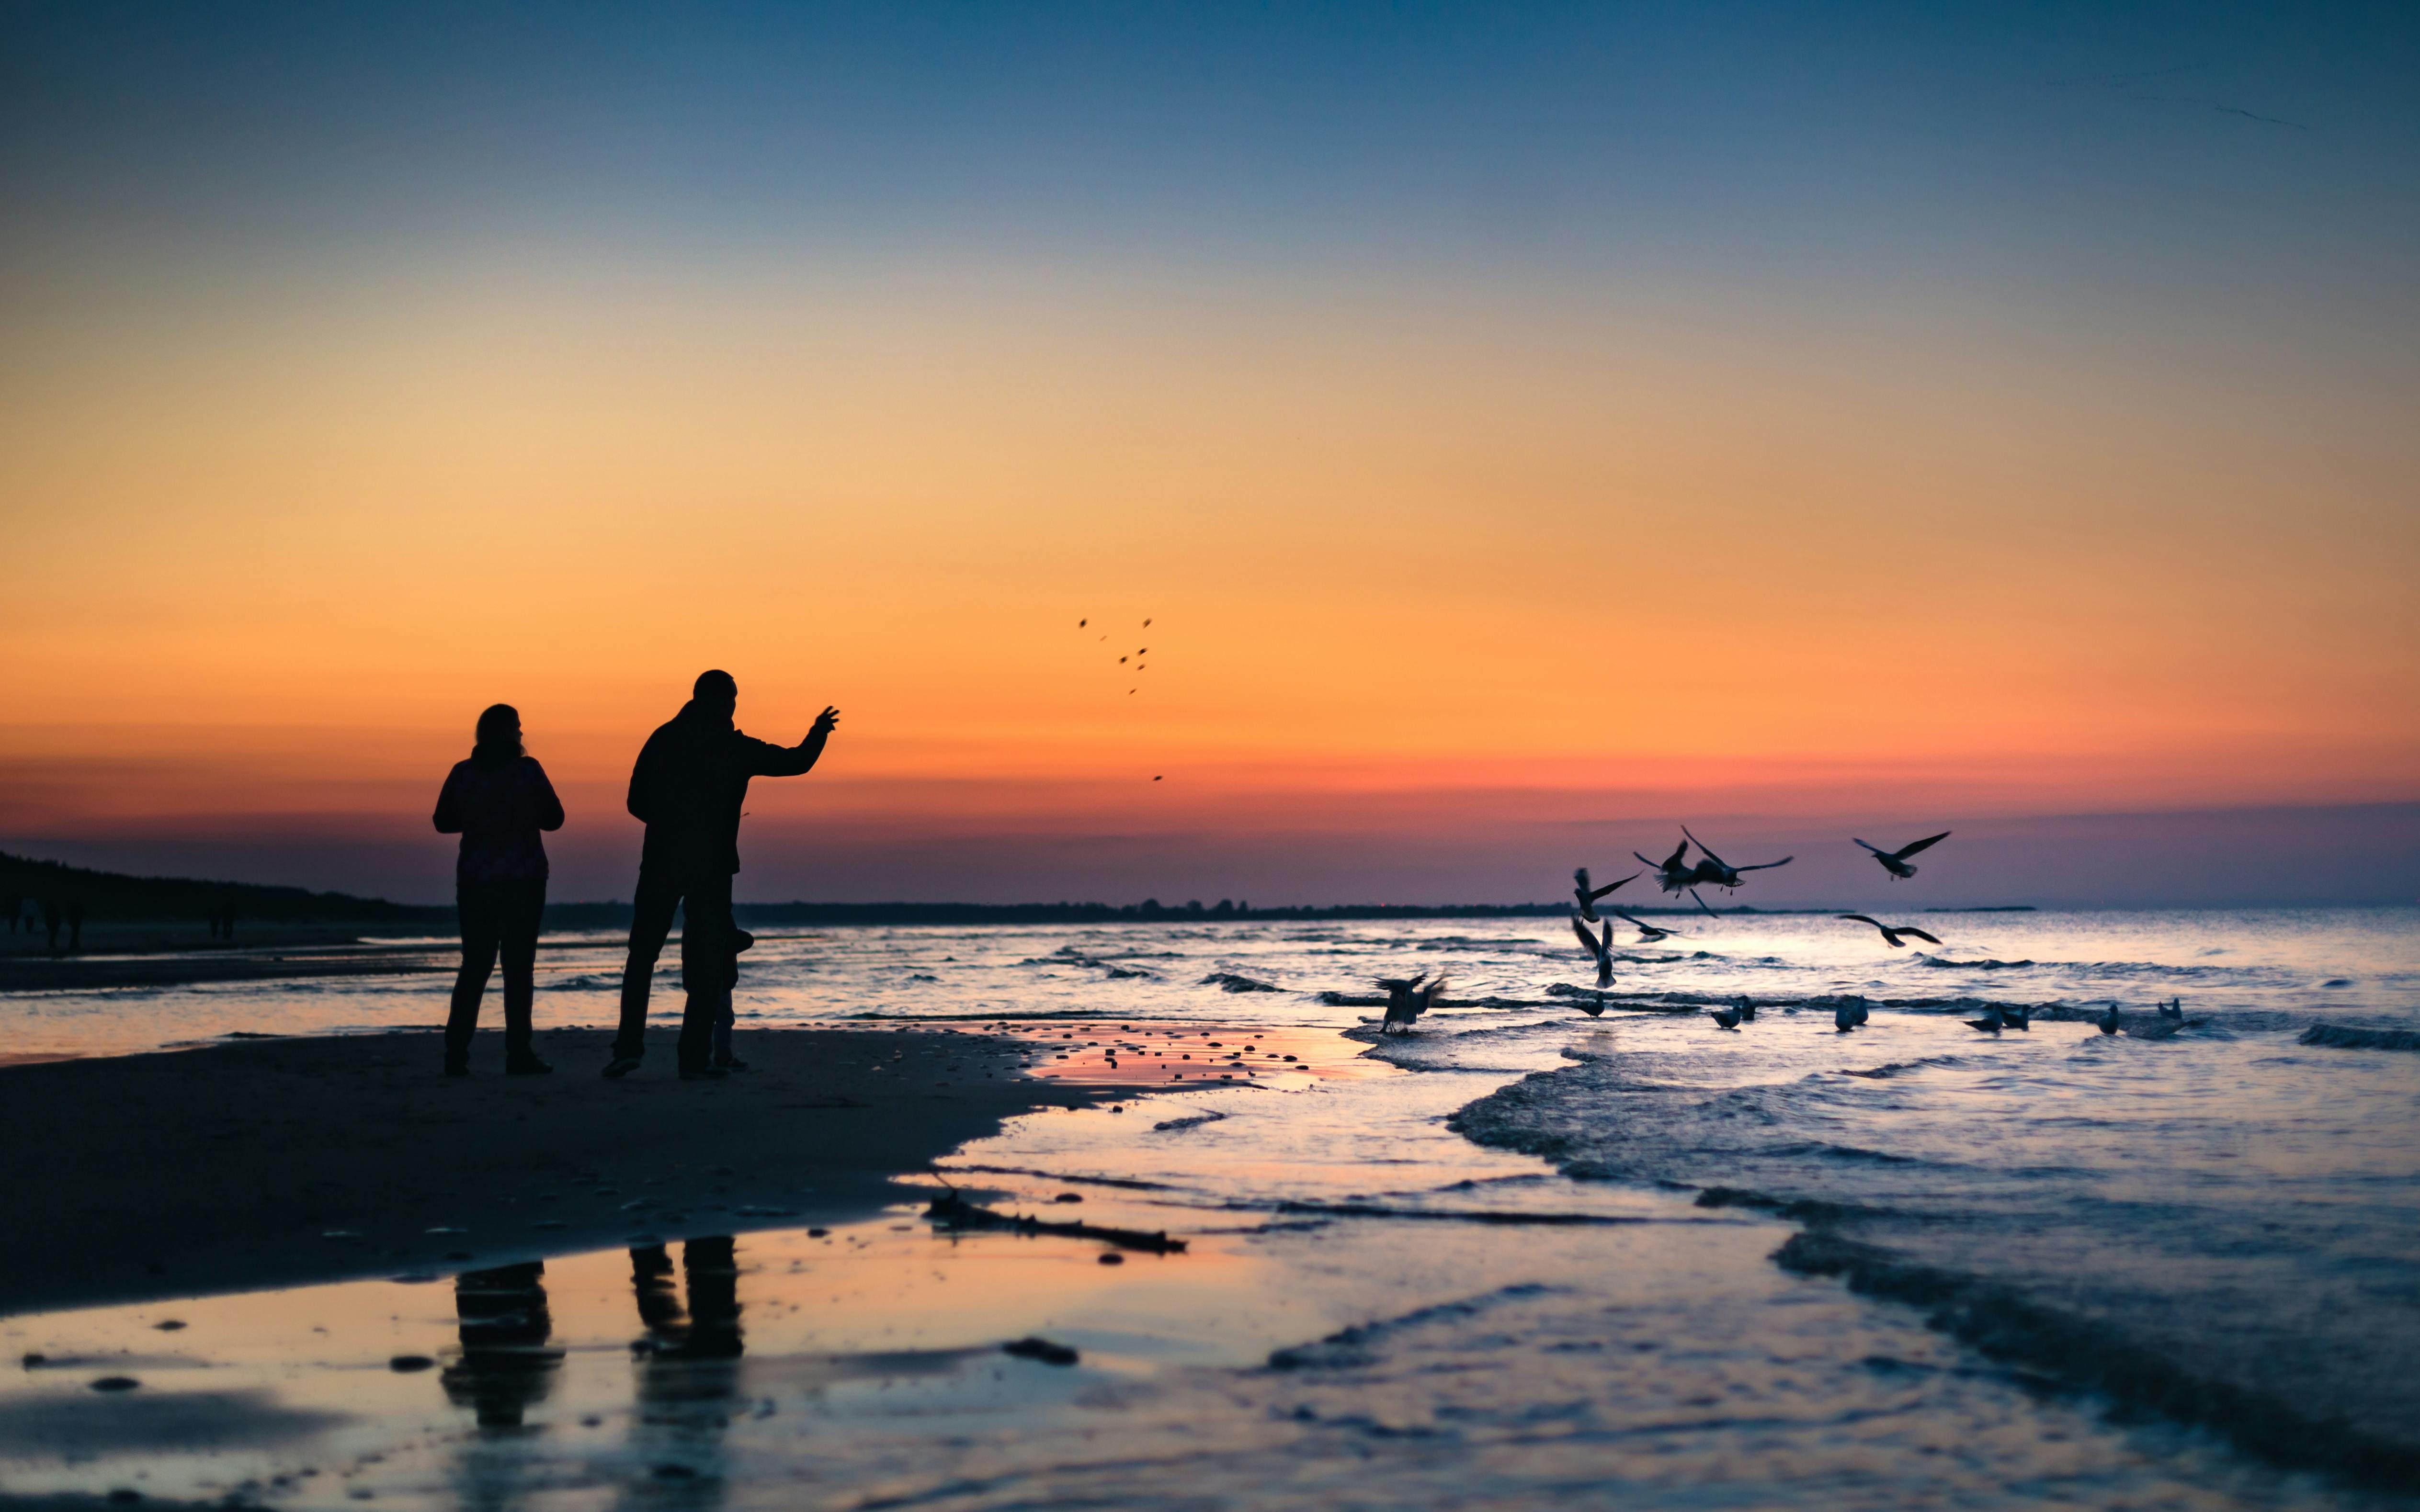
[[826, 722]]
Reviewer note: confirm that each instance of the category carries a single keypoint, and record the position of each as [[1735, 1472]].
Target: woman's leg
[[475, 904], [520, 948]]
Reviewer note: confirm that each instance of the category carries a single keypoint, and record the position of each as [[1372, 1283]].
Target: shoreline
[[281, 1162]]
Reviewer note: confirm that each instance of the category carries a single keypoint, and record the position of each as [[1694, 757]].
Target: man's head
[[716, 690]]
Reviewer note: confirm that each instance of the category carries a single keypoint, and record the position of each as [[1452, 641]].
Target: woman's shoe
[[527, 1066]]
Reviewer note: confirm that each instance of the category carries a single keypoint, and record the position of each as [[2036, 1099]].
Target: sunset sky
[[1525, 427]]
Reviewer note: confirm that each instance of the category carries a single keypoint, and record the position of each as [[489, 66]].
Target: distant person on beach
[[75, 926], [497, 801], [691, 778], [15, 909], [52, 918]]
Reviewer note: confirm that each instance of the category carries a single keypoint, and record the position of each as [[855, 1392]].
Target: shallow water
[[1497, 1213]]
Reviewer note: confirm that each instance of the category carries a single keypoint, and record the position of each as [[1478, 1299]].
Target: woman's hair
[[500, 736]]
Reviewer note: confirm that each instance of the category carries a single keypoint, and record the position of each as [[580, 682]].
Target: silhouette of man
[[691, 778]]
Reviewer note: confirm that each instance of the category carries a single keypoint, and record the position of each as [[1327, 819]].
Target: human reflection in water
[[505, 1365], [689, 1369]]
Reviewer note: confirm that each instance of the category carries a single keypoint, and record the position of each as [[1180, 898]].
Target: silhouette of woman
[[498, 801]]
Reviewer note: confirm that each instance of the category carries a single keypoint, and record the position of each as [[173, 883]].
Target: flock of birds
[[1408, 997]]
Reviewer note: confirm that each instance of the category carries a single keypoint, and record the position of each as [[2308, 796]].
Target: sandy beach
[[280, 1160]]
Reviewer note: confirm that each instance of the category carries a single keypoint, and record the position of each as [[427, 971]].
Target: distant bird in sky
[[1600, 946], [1895, 862], [1891, 933], [1648, 933], [1991, 1022], [1407, 999], [1713, 871], [2108, 1022], [1157, 779], [1080, 623], [1725, 1018], [1587, 895]]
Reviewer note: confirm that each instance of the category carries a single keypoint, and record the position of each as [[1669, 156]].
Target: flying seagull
[[1599, 945], [1587, 895], [1891, 933], [1407, 1000], [1648, 933], [1895, 862], [1713, 870], [1673, 874]]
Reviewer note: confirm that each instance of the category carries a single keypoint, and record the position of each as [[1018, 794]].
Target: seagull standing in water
[[1407, 1000], [1848, 1016], [1601, 946], [1895, 862], [1891, 933], [1725, 1018], [2108, 1021], [1991, 1022], [1587, 896]]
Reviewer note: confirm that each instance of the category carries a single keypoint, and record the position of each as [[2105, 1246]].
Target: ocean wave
[[2007, 1323], [1350, 1347], [1230, 982], [2346, 1037], [2182, 1297]]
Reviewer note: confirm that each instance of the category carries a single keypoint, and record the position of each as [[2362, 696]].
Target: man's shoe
[[458, 1066], [527, 1066], [730, 1062], [620, 1066], [702, 1073]]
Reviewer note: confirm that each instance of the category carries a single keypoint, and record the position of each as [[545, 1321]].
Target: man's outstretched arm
[[795, 761]]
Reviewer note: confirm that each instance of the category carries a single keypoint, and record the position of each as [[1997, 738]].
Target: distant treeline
[[595, 915], [113, 895]]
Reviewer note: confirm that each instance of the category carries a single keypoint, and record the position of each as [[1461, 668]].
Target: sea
[[1553, 1246]]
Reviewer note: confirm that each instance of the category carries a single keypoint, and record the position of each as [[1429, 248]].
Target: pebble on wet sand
[[115, 1384], [406, 1364]]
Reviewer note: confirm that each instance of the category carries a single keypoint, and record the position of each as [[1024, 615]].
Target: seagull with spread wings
[[1587, 895], [1891, 933], [1895, 862]]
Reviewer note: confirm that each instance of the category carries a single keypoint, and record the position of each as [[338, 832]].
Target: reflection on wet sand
[[505, 1370], [505, 1367], [687, 1369]]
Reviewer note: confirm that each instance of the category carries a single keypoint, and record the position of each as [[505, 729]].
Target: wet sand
[[275, 1161]]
